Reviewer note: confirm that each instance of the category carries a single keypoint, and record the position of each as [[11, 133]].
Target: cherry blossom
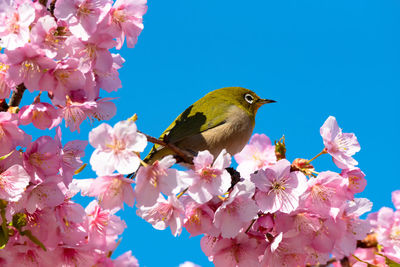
[[278, 188], [41, 115], [341, 146], [164, 213], [258, 154], [13, 183], [116, 147], [209, 178]]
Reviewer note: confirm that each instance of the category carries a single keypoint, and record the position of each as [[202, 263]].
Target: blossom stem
[[324, 151], [251, 225], [181, 193]]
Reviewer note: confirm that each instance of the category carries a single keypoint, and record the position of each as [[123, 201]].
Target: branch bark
[[17, 95]]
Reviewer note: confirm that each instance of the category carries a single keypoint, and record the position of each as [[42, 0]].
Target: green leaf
[[3, 238]]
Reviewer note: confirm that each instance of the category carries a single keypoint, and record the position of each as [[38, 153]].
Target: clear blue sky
[[316, 58]]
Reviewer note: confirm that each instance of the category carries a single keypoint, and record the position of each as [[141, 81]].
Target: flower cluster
[[64, 50], [274, 216], [61, 48]]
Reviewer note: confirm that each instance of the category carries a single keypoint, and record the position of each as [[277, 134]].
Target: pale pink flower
[[11, 135], [208, 179], [367, 255], [284, 251], [237, 211], [51, 38], [157, 178], [75, 113], [278, 188], [164, 213], [65, 77], [241, 251], [126, 260], [43, 225], [71, 155], [72, 223], [325, 194], [28, 65], [112, 191], [354, 228], [116, 148], [258, 154], [396, 199], [355, 180], [104, 227], [188, 264], [15, 19], [82, 16], [42, 157], [13, 182], [42, 115], [341, 146], [198, 218], [109, 80], [126, 20], [5, 87], [48, 194]]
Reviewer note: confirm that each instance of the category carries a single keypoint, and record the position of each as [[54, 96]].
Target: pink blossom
[[48, 194], [42, 115], [208, 178], [75, 113], [15, 19], [11, 135], [13, 182], [5, 87], [72, 223], [43, 225], [42, 157], [112, 191], [109, 80], [278, 188], [126, 20], [258, 154], [188, 264], [104, 226], [355, 180], [396, 199], [368, 255], [66, 77], [28, 65], [51, 38], [325, 194], [241, 251], [341, 146], [116, 148], [82, 16], [164, 213], [237, 211], [155, 179], [198, 218], [126, 260]]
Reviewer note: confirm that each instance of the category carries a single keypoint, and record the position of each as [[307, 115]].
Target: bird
[[222, 119]]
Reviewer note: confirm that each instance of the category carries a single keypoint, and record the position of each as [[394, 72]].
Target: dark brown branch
[[3, 105], [17, 95], [182, 154]]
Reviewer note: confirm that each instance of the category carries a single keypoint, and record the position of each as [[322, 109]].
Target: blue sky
[[316, 58]]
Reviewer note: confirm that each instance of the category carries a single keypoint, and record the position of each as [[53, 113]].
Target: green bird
[[223, 118]]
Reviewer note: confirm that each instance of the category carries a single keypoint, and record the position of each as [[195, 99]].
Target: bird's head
[[243, 98]]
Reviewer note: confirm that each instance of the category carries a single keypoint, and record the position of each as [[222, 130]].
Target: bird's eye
[[249, 98]]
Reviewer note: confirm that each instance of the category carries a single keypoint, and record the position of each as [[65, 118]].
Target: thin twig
[[182, 154]]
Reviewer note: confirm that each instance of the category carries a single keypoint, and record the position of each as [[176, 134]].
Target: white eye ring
[[249, 98]]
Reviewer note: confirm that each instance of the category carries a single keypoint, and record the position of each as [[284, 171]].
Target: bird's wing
[[191, 122]]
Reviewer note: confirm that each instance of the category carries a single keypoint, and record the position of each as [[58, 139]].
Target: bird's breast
[[231, 135]]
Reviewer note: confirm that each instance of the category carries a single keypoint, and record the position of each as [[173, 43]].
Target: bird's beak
[[261, 101]]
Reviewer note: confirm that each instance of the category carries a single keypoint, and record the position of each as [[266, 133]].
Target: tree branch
[[17, 95], [184, 155]]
